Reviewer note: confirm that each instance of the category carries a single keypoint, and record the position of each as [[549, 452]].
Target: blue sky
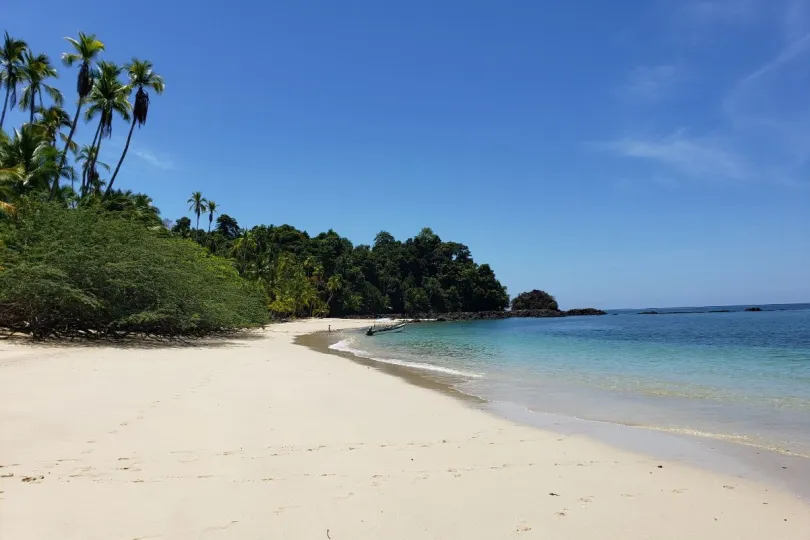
[[617, 154]]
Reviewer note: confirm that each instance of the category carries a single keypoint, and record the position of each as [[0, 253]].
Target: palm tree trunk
[[87, 168], [67, 145], [97, 145], [198, 228], [123, 155], [98, 151], [5, 105], [33, 104]]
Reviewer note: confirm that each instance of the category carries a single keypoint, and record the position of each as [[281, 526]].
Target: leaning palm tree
[[212, 209], [141, 77], [36, 69], [85, 50], [107, 98], [197, 204], [11, 59]]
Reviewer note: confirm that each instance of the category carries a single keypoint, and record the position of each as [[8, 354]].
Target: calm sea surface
[[739, 376]]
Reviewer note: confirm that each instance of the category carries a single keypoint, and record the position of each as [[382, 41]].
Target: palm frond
[[54, 94]]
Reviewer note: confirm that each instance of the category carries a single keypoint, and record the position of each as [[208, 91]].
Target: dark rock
[[491, 315], [753, 309], [584, 311], [648, 313]]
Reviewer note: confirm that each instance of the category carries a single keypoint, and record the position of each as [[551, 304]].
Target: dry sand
[[265, 439]]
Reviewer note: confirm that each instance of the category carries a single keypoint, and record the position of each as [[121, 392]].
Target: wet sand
[[773, 469]]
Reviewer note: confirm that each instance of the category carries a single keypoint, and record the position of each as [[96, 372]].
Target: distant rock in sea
[[752, 309], [584, 311], [482, 315]]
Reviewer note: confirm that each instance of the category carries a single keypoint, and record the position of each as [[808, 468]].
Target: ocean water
[[739, 376]]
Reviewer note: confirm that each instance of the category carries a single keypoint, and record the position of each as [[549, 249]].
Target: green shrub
[[91, 273]]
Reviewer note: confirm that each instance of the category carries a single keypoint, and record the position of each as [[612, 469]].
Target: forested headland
[[80, 257]]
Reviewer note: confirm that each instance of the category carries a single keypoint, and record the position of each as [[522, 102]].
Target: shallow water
[[741, 377]]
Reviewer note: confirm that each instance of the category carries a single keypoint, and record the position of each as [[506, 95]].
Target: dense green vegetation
[[92, 272], [79, 257], [534, 300], [327, 274]]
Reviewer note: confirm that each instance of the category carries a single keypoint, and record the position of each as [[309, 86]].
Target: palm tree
[[36, 69], [144, 209], [197, 204], [11, 58], [241, 247], [86, 49], [212, 209], [51, 120], [87, 156], [107, 98], [141, 77], [10, 174], [33, 158]]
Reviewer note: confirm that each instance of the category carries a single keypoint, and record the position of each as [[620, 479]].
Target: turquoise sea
[[738, 376]]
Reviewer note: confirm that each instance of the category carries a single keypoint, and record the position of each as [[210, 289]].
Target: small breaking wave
[[345, 346]]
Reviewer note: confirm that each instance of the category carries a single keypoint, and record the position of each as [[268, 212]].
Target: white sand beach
[[262, 439]]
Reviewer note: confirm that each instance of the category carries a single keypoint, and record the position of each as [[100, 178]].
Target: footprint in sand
[[32, 479]]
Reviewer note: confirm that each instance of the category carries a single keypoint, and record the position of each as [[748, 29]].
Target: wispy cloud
[[652, 83], [154, 160], [760, 130], [796, 18], [701, 158], [793, 50], [770, 103], [708, 11]]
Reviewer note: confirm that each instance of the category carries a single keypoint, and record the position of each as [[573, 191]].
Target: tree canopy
[[423, 274], [535, 299]]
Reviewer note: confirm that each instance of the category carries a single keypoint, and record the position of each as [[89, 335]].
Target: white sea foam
[[345, 346]]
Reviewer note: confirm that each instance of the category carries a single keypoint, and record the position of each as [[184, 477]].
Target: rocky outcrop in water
[[492, 315]]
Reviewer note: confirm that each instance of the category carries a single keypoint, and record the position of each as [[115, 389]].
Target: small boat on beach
[[395, 327]]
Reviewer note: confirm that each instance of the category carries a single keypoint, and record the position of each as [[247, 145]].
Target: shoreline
[[780, 470], [265, 436]]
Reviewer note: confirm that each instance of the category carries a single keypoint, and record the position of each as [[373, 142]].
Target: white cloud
[[702, 158], [652, 83], [156, 161]]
